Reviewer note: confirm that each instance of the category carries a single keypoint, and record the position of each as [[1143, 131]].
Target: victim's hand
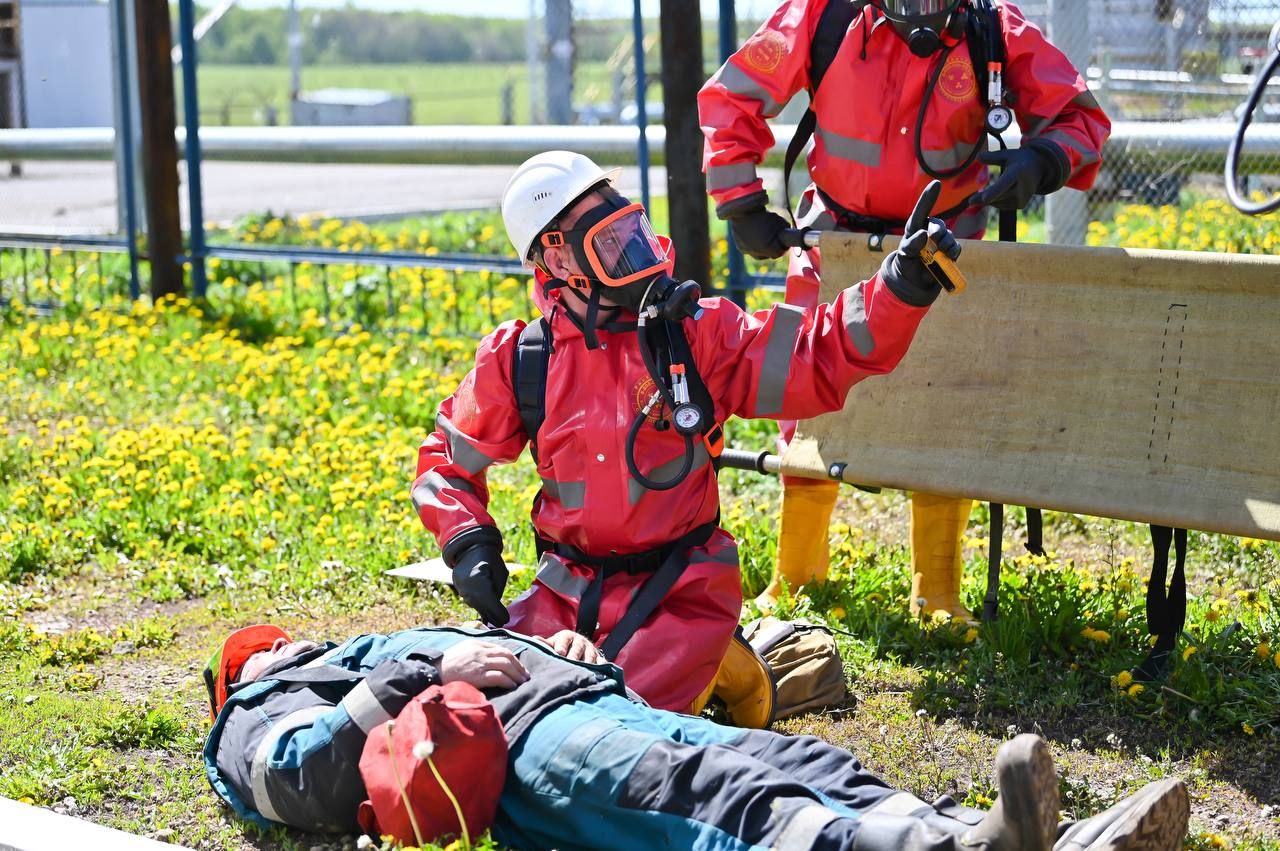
[[575, 646], [482, 665]]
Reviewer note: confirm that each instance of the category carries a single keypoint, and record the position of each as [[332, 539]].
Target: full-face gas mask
[[616, 246], [922, 22], [624, 262]]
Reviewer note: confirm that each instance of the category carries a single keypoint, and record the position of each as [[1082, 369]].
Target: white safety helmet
[[542, 187]]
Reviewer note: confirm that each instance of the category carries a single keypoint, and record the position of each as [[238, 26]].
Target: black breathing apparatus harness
[[661, 304], [977, 20]]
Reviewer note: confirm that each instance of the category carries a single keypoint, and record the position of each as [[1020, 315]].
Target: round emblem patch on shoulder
[[764, 53], [957, 82]]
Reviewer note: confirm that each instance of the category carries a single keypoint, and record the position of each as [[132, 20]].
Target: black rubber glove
[[757, 231], [903, 271], [1037, 168], [479, 577]]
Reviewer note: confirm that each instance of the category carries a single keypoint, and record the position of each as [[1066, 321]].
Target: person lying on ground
[[620, 391], [589, 766]]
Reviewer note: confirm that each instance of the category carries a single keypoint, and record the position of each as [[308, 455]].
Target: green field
[[169, 472], [441, 94]]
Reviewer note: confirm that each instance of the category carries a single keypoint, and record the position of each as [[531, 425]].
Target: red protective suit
[[863, 153], [783, 362], [864, 148]]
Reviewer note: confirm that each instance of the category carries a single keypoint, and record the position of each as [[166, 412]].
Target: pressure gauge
[[999, 119], [688, 419]]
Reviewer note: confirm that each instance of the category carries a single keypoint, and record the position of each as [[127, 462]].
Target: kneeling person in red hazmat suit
[[621, 388]]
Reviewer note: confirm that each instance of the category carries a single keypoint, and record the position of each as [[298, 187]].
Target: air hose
[[1265, 74], [678, 301]]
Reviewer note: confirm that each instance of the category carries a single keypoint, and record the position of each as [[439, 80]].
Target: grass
[[459, 93], [170, 472]]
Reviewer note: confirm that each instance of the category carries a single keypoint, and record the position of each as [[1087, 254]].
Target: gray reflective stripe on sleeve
[[258, 771], [855, 320], [803, 828], [555, 574], [970, 224], [662, 472], [944, 158], [363, 707], [848, 148], [430, 485], [739, 82], [728, 176], [772, 385], [901, 804], [1086, 100], [1036, 125], [1087, 156], [728, 555], [463, 453], [568, 494]]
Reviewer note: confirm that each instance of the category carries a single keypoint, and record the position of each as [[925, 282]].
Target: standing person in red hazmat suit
[[902, 92]]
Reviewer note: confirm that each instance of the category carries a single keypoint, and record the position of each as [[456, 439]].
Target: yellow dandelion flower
[[1247, 727], [1136, 689], [1188, 653], [838, 612], [1264, 650], [1122, 679], [971, 635], [1101, 636]]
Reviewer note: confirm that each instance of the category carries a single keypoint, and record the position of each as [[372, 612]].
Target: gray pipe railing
[[1158, 143]]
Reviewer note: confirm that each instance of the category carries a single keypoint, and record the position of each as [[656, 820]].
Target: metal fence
[[1185, 61], [1179, 69], [58, 72]]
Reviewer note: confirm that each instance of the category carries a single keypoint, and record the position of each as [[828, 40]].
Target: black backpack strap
[[995, 552], [1166, 610], [984, 34], [529, 378], [713, 435], [1035, 532], [833, 24], [645, 601]]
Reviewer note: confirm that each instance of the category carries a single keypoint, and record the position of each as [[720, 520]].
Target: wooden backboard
[[1135, 384]]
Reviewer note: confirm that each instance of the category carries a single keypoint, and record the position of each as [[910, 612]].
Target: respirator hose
[[646, 355], [1242, 203]]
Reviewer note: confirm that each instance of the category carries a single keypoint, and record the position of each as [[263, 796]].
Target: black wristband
[[468, 538], [1057, 167], [741, 206]]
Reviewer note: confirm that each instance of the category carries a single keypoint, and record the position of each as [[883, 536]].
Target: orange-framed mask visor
[[226, 663], [622, 248]]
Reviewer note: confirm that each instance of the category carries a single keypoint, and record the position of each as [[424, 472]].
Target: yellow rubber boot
[[744, 684], [803, 551], [937, 526]]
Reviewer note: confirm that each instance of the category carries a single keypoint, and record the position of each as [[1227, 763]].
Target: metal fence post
[[559, 69], [637, 27], [1067, 210], [728, 44], [191, 116], [125, 149]]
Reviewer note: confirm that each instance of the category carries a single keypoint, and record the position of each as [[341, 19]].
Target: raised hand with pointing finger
[[904, 271]]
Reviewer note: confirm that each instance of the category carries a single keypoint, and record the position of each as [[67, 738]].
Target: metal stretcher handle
[[800, 238], [942, 267], [746, 459]]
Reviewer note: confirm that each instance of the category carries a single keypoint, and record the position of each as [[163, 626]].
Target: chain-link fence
[[1186, 63], [65, 94], [58, 70]]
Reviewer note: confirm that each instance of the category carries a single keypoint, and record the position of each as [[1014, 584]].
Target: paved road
[[80, 197]]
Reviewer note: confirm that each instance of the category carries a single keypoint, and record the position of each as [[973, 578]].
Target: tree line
[[355, 36]]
